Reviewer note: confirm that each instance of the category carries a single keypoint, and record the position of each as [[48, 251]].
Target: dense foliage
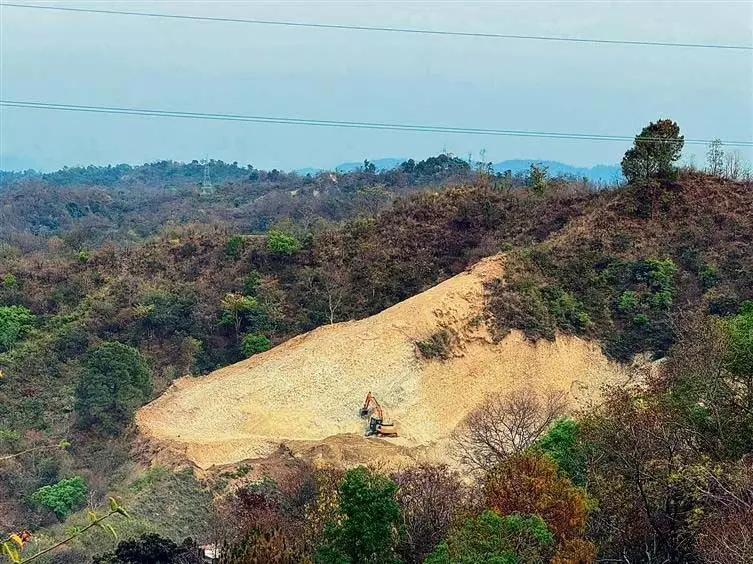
[[660, 269], [61, 497], [114, 383]]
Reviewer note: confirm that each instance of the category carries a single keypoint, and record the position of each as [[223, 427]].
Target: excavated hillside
[[306, 393]]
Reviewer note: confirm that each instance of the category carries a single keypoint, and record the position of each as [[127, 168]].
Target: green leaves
[[370, 524], [15, 322], [282, 244], [655, 149], [115, 383], [61, 497], [118, 508], [511, 539], [253, 343]]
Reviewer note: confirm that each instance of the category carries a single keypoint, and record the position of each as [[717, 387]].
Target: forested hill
[[88, 205], [659, 267]]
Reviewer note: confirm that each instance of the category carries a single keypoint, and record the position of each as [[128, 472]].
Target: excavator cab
[[377, 426]]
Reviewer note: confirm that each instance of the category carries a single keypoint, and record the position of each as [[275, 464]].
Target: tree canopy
[[115, 382], [655, 150]]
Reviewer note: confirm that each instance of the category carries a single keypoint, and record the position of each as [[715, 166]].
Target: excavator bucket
[[363, 412]]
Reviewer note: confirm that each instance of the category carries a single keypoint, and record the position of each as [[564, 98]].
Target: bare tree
[[715, 158], [506, 424], [431, 499], [733, 165]]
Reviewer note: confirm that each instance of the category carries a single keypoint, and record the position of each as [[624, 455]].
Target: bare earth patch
[[306, 392]]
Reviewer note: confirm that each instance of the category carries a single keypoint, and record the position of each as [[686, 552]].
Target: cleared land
[[306, 392]]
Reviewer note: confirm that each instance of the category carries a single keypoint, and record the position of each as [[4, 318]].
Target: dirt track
[[306, 392]]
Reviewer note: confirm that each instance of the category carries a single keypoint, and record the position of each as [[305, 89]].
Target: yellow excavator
[[377, 424]]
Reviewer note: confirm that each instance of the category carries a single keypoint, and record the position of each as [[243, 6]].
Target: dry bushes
[[506, 424]]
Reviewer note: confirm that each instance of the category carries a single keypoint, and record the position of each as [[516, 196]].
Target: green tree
[[369, 525], [280, 243], [149, 548], [654, 152], [561, 443], [234, 246], [61, 497], [253, 343], [10, 281], [237, 309], [15, 321], [537, 179], [115, 382], [167, 312], [492, 539]]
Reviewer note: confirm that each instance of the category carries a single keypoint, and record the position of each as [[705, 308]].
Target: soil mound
[[306, 393]]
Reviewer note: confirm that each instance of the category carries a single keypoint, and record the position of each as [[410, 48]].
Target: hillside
[[588, 278], [310, 388]]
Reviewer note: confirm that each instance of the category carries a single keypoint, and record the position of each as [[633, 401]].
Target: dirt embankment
[[306, 392]]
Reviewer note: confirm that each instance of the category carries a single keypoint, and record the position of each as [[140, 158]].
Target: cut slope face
[[310, 388]]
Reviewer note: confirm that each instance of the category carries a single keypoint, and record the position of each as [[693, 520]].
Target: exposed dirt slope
[[306, 392]]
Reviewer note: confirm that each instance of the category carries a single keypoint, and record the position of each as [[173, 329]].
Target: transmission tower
[[206, 184]]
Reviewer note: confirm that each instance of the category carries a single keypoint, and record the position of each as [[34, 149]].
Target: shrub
[[662, 300], [10, 281], [280, 243], [62, 497], [436, 346], [149, 548], [520, 308], [115, 382], [627, 302], [234, 246], [251, 283], [15, 321], [168, 312], [511, 539], [560, 443], [565, 308], [660, 273], [253, 343], [368, 527], [708, 277]]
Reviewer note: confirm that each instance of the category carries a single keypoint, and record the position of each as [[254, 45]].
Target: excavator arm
[[377, 424]]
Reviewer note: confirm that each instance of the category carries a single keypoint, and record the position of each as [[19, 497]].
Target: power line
[[342, 123], [388, 29]]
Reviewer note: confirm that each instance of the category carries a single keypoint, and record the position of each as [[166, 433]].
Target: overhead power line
[[341, 123], [419, 31]]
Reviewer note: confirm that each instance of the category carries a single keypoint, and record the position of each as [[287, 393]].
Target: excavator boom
[[377, 424]]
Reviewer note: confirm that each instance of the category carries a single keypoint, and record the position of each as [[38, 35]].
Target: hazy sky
[[367, 76]]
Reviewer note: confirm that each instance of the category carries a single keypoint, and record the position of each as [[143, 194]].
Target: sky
[[107, 60]]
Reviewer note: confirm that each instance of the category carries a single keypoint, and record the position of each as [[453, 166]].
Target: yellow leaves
[[11, 552], [11, 548], [115, 507], [142, 310], [109, 528]]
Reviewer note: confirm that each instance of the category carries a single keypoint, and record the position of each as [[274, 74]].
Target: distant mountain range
[[597, 173]]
